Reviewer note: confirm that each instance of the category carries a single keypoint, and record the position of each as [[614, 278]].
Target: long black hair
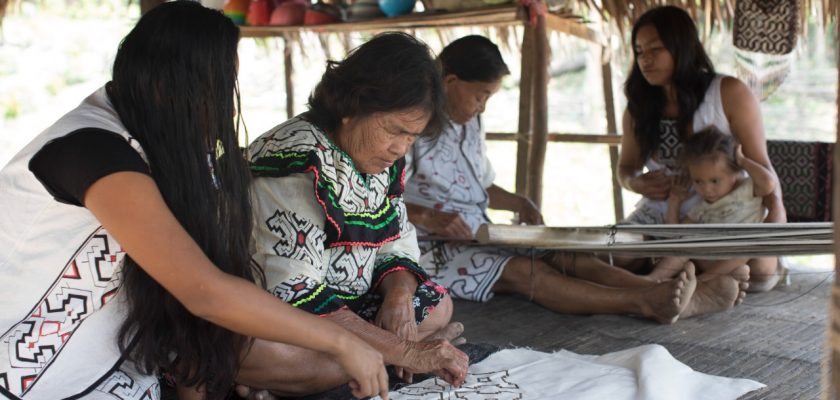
[[173, 87], [473, 58], [693, 72], [391, 72]]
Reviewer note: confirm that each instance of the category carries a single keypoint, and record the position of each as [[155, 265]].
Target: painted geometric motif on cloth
[[468, 272], [348, 268], [805, 171], [87, 282], [298, 238], [357, 207], [449, 173], [766, 26], [121, 386]]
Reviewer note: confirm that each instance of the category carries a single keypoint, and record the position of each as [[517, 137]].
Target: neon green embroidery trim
[[311, 296], [377, 226]]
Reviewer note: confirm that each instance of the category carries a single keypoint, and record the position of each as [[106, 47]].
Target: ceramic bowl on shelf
[[259, 12], [236, 10], [289, 13], [322, 13], [364, 9], [393, 8]]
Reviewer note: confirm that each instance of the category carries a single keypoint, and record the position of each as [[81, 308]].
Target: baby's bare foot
[[667, 268]]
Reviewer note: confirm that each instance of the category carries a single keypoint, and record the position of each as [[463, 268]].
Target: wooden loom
[[708, 241]]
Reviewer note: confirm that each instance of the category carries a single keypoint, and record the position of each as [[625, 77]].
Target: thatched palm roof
[[716, 13]]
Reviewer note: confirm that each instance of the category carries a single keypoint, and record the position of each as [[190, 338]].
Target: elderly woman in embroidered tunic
[[672, 91], [331, 228], [124, 238], [451, 187]]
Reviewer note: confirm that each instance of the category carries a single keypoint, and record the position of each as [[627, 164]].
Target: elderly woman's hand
[[654, 184], [438, 357], [396, 315], [528, 212], [447, 224]]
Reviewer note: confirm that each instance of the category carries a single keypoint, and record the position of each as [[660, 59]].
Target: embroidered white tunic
[[324, 233], [452, 174]]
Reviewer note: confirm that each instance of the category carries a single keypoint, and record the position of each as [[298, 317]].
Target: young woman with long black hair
[[125, 229], [673, 91]]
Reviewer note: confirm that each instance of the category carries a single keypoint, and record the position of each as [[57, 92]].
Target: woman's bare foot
[[718, 292], [667, 268], [451, 332], [665, 301]]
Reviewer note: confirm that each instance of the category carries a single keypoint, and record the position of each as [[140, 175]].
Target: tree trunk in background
[[146, 5], [830, 392]]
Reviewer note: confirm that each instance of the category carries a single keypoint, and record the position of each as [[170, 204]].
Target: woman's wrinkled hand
[[654, 185], [438, 357], [396, 315]]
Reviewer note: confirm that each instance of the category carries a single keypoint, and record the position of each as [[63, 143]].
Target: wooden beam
[[523, 139], [831, 392], [612, 127], [505, 15], [558, 137], [539, 126], [574, 27], [288, 71]]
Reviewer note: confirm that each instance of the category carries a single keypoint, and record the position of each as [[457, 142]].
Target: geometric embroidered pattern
[[805, 174], [121, 386], [89, 279], [362, 213], [358, 208], [446, 179], [670, 145], [766, 26], [298, 238], [310, 295]]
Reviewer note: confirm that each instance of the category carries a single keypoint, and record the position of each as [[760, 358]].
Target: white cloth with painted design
[[646, 372]]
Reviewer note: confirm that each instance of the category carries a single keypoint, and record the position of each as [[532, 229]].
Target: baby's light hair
[[708, 144]]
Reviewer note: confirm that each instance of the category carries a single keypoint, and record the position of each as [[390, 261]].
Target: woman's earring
[[211, 163]]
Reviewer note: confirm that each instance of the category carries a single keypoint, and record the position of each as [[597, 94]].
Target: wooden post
[[830, 392], [288, 70], [540, 112], [612, 127], [146, 5], [526, 83]]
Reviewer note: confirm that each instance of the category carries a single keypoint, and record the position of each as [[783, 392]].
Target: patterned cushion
[[805, 173]]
